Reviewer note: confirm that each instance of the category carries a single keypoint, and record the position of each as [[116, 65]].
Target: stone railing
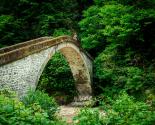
[[23, 44], [21, 50]]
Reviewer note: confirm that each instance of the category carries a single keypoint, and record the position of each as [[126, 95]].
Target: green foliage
[[120, 36], [111, 23], [137, 4], [61, 31], [8, 93], [134, 78], [57, 77], [125, 110], [88, 117], [47, 103], [118, 24], [44, 25], [15, 112], [116, 74], [27, 19], [8, 28], [91, 38]]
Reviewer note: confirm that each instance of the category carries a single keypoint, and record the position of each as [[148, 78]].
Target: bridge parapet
[[23, 44], [22, 50]]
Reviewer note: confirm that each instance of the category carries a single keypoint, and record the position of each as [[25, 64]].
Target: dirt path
[[67, 113]]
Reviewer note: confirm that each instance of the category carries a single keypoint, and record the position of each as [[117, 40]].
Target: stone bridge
[[21, 65]]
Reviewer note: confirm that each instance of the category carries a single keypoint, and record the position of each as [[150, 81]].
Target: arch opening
[[80, 66], [57, 79]]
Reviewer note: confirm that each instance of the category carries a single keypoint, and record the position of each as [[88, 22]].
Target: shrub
[[135, 78], [14, 112], [7, 92], [120, 34], [42, 99], [88, 117], [61, 31], [125, 110], [117, 72]]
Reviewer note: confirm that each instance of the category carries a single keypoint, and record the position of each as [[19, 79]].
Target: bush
[[115, 71], [121, 36], [125, 110], [135, 78], [7, 92], [42, 99], [61, 31], [88, 117], [15, 112]]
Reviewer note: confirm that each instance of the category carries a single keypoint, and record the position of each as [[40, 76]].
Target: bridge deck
[[23, 44], [21, 50]]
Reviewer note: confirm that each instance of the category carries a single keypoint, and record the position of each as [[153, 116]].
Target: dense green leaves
[[113, 23], [124, 110], [40, 98], [34, 112], [30, 19], [120, 34], [9, 28], [88, 117], [91, 35], [57, 78]]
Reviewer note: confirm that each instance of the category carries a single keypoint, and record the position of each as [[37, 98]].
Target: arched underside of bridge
[[23, 73]]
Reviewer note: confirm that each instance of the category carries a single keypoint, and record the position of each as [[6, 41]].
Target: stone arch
[[80, 68]]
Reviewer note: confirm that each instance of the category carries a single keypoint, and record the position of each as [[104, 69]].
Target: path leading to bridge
[[68, 112]]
